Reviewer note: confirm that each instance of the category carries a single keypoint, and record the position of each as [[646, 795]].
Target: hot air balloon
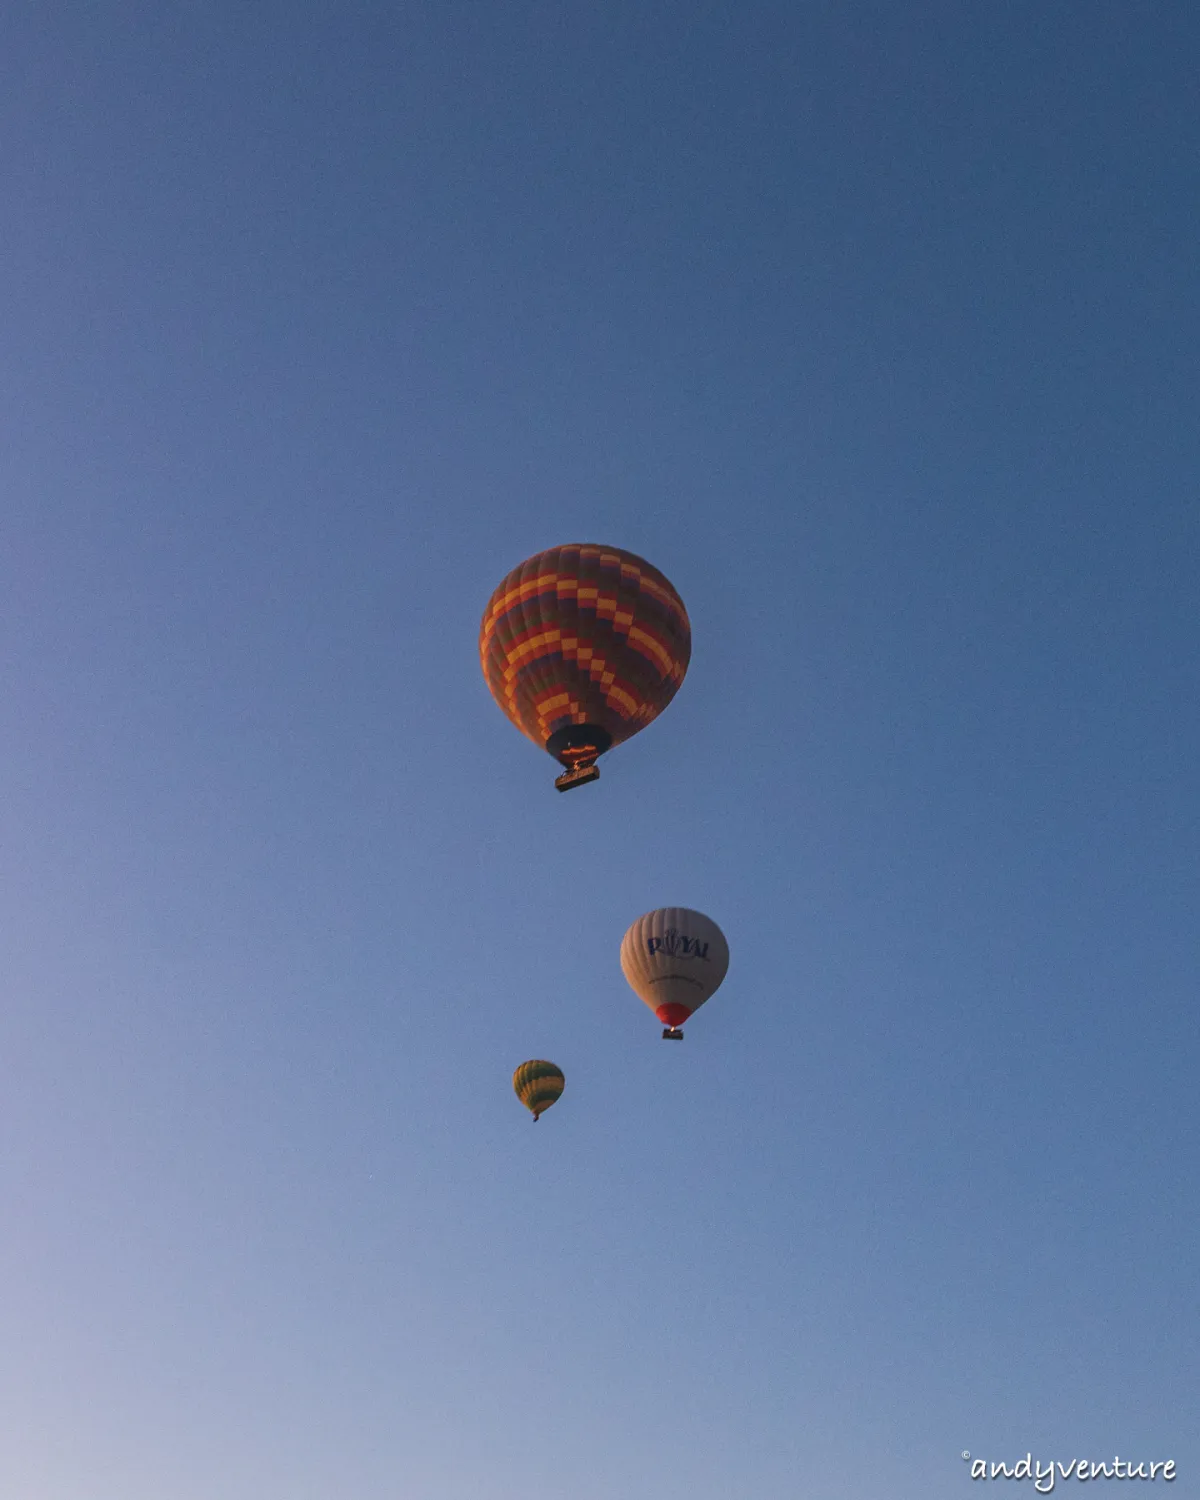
[[582, 646], [674, 960], [538, 1084]]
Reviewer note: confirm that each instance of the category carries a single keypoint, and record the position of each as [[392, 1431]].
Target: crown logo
[[674, 944]]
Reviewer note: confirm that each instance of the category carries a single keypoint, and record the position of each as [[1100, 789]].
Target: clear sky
[[874, 326]]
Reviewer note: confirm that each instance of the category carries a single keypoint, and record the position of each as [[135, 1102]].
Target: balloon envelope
[[538, 1084], [674, 960], [582, 646]]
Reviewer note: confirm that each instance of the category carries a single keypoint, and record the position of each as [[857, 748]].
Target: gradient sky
[[874, 326]]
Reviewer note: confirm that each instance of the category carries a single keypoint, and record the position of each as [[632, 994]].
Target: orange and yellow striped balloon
[[538, 1084], [582, 646]]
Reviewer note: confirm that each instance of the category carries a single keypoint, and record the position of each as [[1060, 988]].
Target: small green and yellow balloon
[[538, 1084]]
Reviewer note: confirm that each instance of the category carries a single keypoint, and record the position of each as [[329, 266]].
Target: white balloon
[[674, 960]]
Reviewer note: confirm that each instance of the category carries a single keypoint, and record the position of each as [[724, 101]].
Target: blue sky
[[875, 328]]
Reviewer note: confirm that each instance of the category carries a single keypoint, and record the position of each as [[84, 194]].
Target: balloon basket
[[578, 776], [672, 1034]]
